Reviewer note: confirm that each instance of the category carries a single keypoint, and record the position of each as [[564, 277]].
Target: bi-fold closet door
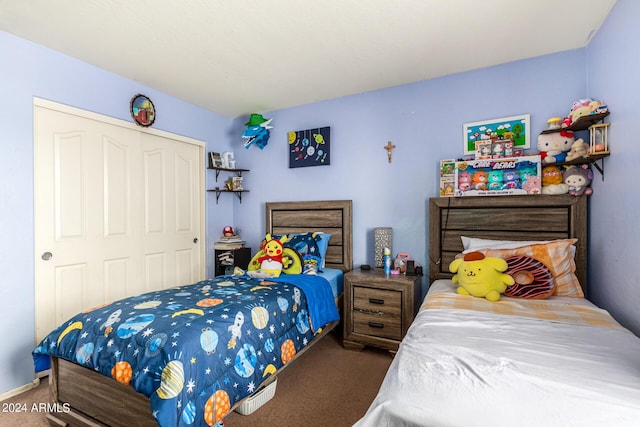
[[118, 211]]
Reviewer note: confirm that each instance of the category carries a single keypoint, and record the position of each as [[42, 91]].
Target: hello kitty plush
[[554, 146]]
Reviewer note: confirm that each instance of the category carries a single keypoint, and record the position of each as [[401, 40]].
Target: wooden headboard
[[332, 217], [505, 218]]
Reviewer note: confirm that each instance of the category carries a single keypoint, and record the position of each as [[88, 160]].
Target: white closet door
[[117, 213]]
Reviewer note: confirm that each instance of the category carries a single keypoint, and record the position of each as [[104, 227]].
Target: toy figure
[[271, 261], [553, 146], [578, 180], [578, 149], [480, 276], [532, 185], [495, 178], [464, 181], [511, 180], [257, 131], [497, 150], [479, 180], [552, 181]]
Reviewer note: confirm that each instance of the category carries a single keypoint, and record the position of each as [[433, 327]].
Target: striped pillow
[[556, 255]]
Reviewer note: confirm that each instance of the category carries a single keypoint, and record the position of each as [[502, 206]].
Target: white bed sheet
[[467, 368]]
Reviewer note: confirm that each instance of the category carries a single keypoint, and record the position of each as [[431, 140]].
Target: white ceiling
[[235, 57]]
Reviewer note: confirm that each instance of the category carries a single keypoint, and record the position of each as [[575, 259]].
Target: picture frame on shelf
[[236, 183], [514, 128], [215, 160]]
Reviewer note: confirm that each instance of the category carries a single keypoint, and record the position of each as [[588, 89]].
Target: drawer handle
[[376, 325], [376, 301]]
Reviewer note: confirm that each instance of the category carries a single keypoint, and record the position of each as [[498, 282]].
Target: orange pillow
[[557, 255]]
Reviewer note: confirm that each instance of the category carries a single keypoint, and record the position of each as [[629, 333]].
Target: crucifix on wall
[[389, 147]]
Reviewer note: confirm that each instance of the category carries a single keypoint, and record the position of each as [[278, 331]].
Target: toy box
[[498, 177], [447, 177]]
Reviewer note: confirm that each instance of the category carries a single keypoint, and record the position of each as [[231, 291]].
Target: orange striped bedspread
[[442, 295]]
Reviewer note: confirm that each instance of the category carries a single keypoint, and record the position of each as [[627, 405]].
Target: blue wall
[[613, 58], [424, 120], [29, 71]]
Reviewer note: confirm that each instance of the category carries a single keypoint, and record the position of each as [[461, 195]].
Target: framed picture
[[142, 110], [514, 128], [236, 183], [215, 160], [311, 147]]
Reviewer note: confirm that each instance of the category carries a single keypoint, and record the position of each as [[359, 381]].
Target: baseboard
[[16, 391]]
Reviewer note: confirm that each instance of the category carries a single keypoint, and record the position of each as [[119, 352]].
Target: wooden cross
[[389, 147]]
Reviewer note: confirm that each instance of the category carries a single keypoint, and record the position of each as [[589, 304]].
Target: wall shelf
[[236, 171], [218, 191]]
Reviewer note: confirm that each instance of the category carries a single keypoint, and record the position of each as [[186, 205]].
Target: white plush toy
[[578, 149], [554, 146]]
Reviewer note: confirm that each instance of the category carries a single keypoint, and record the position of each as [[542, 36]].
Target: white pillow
[[472, 244]]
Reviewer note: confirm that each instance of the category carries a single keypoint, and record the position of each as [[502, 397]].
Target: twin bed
[[558, 361], [188, 355], [466, 361]]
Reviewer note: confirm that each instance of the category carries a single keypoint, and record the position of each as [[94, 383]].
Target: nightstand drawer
[[377, 301], [377, 325]]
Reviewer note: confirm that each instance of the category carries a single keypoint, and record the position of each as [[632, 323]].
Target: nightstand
[[227, 259], [378, 309]]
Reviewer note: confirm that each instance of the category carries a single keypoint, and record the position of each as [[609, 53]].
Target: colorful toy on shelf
[[464, 181], [585, 107], [227, 231], [554, 122], [495, 178], [579, 148], [552, 181], [479, 180], [511, 179], [578, 178], [553, 146]]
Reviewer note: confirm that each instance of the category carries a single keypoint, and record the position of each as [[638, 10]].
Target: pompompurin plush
[[480, 276]]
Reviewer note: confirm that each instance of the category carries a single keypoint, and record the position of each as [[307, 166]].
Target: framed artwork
[[311, 147], [142, 110], [215, 160], [514, 128]]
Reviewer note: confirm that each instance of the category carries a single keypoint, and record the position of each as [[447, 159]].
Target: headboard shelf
[[332, 216], [505, 218]]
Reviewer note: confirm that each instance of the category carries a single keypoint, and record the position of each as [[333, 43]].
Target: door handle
[[47, 256], [195, 240]]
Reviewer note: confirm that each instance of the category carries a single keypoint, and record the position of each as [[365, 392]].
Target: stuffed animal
[[274, 258], [554, 145], [578, 179], [552, 181], [532, 185], [585, 107], [464, 181], [511, 179], [480, 276], [479, 181], [495, 178], [578, 149]]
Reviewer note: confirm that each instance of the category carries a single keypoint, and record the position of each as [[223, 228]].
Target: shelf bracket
[[239, 194], [600, 167]]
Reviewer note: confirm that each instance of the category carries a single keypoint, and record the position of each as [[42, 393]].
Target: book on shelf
[[230, 239], [228, 245]]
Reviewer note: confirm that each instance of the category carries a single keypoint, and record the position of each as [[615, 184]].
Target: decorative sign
[[142, 110], [309, 147]]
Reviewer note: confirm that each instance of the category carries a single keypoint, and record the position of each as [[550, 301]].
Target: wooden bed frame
[[505, 218], [86, 398]]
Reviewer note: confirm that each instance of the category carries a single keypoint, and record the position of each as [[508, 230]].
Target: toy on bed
[[273, 259], [555, 145], [480, 276], [578, 178]]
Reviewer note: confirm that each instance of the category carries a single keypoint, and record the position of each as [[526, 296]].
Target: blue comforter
[[196, 350]]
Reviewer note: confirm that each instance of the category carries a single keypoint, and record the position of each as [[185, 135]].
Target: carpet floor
[[325, 386]]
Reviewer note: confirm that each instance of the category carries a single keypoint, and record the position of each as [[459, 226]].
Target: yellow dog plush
[[480, 276]]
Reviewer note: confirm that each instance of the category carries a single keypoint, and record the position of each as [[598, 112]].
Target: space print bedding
[[197, 350], [555, 362]]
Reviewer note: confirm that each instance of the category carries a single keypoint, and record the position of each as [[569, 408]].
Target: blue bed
[[206, 345], [188, 355]]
